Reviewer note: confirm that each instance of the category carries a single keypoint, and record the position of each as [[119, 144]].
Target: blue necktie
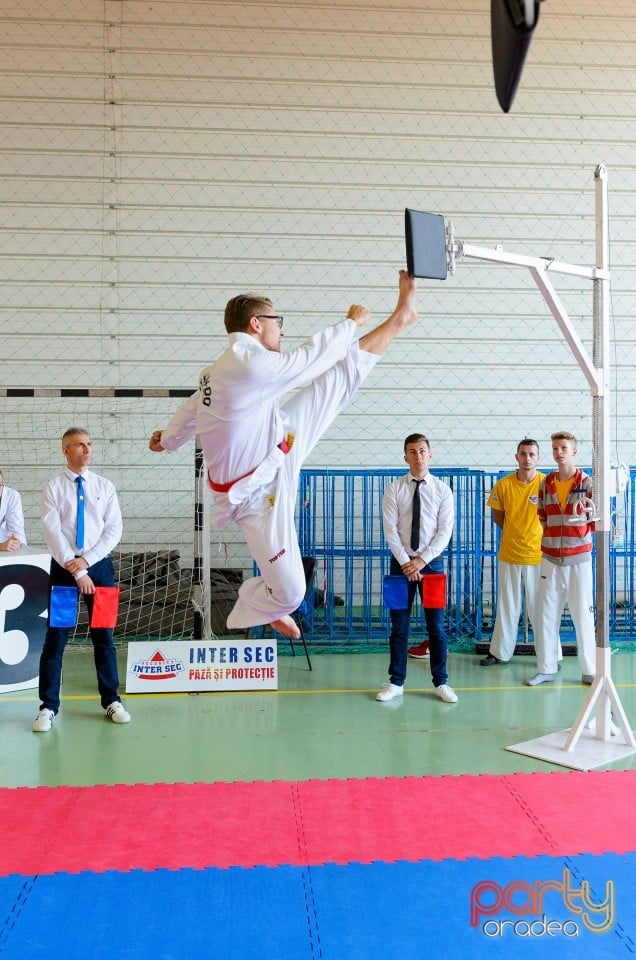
[[79, 539]]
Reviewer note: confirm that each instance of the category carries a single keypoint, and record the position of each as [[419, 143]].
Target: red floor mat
[[149, 826]]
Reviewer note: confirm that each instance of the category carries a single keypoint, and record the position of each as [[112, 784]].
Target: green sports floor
[[314, 822], [320, 724]]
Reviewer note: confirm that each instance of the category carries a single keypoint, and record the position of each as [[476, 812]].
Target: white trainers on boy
[[445, 693], [44, 721], [389, 691], [115, 711]]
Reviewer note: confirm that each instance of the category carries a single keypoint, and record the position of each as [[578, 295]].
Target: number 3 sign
[[24, 587]]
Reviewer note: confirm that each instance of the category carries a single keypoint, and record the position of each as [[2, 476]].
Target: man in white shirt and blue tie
[[82, 525]]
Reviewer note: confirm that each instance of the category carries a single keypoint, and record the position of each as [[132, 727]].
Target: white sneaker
[[446, 693], [540, 678], [44, 721], [389, 691], [116, 712]]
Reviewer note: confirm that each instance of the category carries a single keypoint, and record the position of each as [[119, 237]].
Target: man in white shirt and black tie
[[82, 524], [418, 515]]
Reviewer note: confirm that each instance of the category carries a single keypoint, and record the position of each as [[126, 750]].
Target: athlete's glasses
[[271, 316]]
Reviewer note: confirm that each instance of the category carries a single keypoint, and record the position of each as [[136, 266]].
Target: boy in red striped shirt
[[565, 510]]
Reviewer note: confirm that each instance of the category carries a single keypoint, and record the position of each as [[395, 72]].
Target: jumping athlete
[[254, 448]]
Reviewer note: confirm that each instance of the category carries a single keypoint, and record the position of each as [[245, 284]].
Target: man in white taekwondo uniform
[[254, 448]]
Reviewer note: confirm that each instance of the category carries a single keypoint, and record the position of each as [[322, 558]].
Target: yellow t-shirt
[[521, 534], [563, 488]]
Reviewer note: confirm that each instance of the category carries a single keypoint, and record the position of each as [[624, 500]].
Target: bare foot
[[287, 626], [405, 312], [403, 316]]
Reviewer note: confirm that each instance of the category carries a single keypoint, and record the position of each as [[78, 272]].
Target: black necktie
[[415, 520]]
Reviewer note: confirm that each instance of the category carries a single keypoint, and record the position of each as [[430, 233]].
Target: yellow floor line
[[180, 694]]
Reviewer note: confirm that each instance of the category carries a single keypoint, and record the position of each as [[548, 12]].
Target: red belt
[[284, 445]]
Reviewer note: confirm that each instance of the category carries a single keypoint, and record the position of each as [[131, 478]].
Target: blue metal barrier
[[339, 518]]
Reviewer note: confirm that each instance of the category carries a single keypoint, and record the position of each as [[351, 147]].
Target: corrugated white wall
[[158, 157]]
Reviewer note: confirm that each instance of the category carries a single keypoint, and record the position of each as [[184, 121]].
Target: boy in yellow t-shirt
[[513, 501]]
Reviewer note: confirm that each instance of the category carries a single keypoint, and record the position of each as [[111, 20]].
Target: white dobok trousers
[[558, 584], [513, 580], [264, 503]]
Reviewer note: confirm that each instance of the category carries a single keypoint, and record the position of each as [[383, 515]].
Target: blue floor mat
[[543, 906]]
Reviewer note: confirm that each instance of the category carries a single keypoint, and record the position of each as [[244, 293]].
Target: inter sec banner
[[156, 666]]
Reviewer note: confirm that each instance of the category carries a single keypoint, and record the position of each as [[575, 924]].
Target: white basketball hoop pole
[[593, 740]]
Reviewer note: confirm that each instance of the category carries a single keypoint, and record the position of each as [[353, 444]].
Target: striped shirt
[[565, 541]]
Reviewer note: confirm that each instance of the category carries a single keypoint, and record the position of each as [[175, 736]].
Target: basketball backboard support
[[593, 739]]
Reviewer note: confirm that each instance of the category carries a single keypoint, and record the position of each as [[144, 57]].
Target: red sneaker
[[420, 653]]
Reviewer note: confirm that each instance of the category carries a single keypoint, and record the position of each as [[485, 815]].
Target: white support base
[[592, 741], [589, 753]]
